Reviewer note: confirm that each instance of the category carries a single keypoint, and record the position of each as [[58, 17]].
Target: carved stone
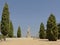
[[28, 33]]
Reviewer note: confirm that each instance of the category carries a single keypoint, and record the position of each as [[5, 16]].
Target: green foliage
[[58, 31], [10, 34], [0, 26], [19, 32], [42, 31], [0, 37], [52, 30], [5, 20]]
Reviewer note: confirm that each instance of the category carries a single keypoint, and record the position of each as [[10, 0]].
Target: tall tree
[[10, 34], [5, 21], [52, 30], [42, 31], [58, 31], [0, 26], [19, 32]]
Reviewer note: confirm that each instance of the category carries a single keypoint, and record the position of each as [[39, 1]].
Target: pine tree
[[10, 34], [19, 32], [42, 31], [5, 21], [58, 31], [52, 30]]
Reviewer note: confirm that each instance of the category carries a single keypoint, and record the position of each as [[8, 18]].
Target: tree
[[10, 34], [0, 26], [42, 31], [58, 31], [19, 32], [52, 30], [5, 21]]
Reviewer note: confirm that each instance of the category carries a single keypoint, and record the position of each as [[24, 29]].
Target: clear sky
[[31, 13]]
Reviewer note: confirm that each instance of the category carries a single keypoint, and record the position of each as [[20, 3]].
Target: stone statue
[[28, 33]]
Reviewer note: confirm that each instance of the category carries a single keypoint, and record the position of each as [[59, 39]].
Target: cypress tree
[[10, 34], [58, 31], [0, 26], [5, 21], [42, 31], [19, 32], [52, 30]]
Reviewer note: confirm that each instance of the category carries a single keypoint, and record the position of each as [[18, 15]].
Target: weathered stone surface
[[28, 33]]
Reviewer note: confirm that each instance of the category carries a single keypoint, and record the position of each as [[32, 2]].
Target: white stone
[[28, 33]]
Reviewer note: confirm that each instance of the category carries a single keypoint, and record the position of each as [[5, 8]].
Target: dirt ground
[[28, 41]]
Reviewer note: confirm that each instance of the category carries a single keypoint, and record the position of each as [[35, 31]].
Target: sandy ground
[[28, 41]]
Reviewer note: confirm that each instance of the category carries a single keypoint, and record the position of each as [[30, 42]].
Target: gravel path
[[28, 41]]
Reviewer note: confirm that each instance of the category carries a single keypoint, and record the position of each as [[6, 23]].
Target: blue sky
[[31, 13]]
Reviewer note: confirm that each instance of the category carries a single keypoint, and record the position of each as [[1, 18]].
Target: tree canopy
[[52, 30]]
